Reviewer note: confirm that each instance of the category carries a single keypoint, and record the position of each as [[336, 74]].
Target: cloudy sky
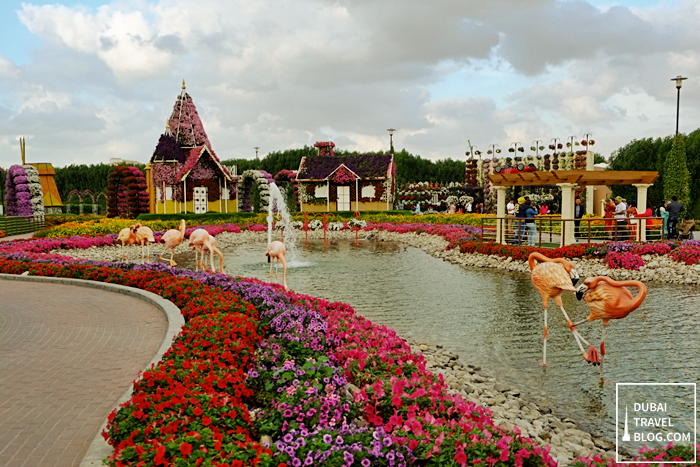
[[87, 80]]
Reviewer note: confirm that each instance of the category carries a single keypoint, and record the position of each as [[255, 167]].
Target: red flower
[[198, 411], [206, 421], [185, 449], [460, 457]]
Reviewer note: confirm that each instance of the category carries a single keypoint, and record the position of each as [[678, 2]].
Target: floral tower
[[24, 195], [185, 173]]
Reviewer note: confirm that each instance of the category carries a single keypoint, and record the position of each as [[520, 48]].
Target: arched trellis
[[103, 196], [81, 199]]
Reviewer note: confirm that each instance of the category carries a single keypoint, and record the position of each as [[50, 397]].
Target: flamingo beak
[[574, 277], [580, 290]]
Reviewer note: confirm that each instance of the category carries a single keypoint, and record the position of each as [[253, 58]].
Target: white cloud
[[280, 74]]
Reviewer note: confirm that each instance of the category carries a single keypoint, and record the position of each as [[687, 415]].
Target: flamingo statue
[[144, 236], [277, 250], [200, 240], [552, 276], [608, 299], [126, 237], [172, 239]]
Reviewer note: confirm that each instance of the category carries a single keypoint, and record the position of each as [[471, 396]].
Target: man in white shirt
[[621, 219], [510, 209]]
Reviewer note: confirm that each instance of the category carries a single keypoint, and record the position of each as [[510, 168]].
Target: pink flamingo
[[172, 239], [552, 276], [607, 299], [144, 236], [277, 250], [201, 240], [126, 237]]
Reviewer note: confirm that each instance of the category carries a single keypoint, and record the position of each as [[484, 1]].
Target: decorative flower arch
[[245, 189], [126, 192]]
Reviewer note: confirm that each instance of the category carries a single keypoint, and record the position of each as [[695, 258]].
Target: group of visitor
[[524, 214], [626, 218]]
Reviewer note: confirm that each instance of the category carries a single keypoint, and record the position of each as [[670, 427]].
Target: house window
[[435, 200], [157, 194], [168, 193], [368, 191], [321, 191], [225, 193]]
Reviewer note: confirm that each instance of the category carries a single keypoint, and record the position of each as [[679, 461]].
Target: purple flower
[[365, 462], [328, 439]]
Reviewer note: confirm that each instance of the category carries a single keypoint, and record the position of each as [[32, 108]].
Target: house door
[[343, 198], [200, 200]]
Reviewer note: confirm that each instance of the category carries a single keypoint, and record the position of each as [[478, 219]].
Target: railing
[[12, 225], [552, 231]]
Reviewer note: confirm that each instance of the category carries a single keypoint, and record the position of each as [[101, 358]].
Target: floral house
[[185, 175], [351, 182]]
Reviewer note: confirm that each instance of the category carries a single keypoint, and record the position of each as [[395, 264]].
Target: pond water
[[494, 319]]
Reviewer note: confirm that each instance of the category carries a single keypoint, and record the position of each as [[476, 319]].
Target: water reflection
[[495, 319]]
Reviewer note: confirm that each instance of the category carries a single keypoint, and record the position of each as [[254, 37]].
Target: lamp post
[[679, 82], [494, 150], [470, 153], [514, 146], [590, 190], [391, 139], [536, 144], [572, 143], [256, 151]]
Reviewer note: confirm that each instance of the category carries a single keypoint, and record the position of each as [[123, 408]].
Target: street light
[[470, 153], [391, 139], [679, 82], [256, 151]]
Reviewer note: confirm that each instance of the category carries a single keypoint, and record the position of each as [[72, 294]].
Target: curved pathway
[[67, 354]]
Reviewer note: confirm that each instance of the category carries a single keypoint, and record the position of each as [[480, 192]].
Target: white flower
[[315, 224]]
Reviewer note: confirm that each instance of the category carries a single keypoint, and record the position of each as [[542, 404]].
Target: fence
[[12, 225], [553, 231]]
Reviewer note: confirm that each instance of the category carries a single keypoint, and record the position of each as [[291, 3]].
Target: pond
[[494, 319]]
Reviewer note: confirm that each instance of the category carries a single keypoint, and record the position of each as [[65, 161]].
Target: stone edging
[[99, 449]]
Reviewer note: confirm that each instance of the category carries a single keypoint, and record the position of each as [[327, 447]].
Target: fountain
[[277, 203]]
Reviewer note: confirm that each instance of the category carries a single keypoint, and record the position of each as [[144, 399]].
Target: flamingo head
[[574, 276], [583, 288]]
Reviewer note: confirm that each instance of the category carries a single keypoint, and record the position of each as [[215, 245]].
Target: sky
[[89, 80]]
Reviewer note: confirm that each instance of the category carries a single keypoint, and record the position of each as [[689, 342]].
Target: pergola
[[568, 180]]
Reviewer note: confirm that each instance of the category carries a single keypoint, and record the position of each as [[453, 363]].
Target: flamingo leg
[[284, 272], [196, 259], [545, 304], [270, 275], [577, 336], [592, 355], [602, 352], [277, 266]]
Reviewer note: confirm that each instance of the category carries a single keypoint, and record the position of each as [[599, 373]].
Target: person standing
[[664, 214], [674, 209], [631, 214], [510, 212], [621, 219], [519, 216], [578, 214], [530, 213]]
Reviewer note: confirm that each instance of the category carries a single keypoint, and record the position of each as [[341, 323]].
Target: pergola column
[[590, 190], [642, 207], [500, 213], [567, 212]]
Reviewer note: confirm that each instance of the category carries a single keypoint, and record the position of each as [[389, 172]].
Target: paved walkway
[[67, 354]]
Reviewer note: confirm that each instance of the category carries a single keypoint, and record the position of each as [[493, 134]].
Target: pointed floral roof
[[185, 123]]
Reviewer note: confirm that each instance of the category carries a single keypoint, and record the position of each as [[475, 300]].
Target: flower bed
[[193, 407]]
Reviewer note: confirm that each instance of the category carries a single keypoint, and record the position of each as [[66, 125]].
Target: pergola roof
[[579, 177]]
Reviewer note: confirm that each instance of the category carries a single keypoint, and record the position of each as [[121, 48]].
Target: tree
[[677, 176]]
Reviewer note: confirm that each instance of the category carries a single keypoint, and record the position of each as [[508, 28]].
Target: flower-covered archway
[[254, 191]]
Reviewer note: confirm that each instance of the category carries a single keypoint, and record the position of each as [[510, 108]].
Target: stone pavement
[[67, 354]]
